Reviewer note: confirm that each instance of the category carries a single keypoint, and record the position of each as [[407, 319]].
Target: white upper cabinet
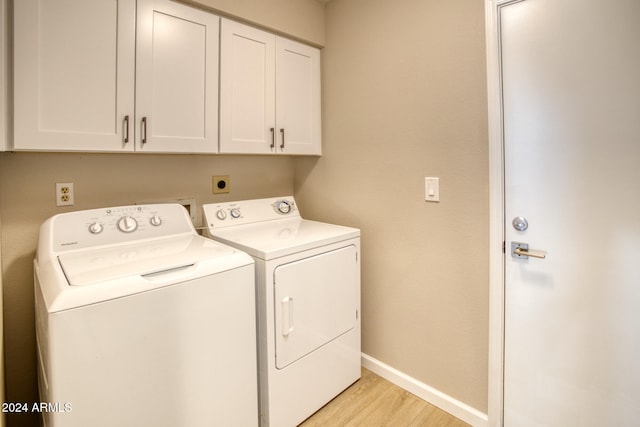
[[74, 64], [247, 89], [176, 78], [80, 84], [298, 98], [269, 93]]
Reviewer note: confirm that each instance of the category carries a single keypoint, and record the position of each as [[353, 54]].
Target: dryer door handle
[[287, 316]]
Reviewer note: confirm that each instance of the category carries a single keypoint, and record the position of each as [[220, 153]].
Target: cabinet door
[[73, 74], [297, 98], [176, 78], [247, 89]]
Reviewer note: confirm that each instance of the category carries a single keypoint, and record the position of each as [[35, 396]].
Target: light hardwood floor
[[373, 401]]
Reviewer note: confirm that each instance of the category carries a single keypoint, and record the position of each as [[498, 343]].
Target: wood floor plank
[[434, 417], [394, 407], [350, 402], [373, 401]]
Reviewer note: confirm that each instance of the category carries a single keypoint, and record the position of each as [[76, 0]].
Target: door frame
[[496, 212]]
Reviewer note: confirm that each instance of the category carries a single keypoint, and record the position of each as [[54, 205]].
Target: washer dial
[[235, 212], [155, 220], [127, 224], [96, 228]]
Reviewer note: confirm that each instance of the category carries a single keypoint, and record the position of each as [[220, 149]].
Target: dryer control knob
[[127, 224], [222, 215], [96, 228], [155, 220], [284, 207], [235, 212]]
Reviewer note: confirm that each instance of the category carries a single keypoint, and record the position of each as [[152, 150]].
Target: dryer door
[[315, 302]]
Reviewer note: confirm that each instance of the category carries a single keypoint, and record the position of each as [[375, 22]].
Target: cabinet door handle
[[282, 145], [144, 130], [126, 129], [273, 137]]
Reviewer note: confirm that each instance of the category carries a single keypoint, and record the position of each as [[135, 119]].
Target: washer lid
[[88, 267], [273, 239]]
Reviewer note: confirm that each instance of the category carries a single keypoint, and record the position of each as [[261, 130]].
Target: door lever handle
[[521, 250]]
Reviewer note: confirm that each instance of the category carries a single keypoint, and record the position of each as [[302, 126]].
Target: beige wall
[[295, 18], [404, 97]]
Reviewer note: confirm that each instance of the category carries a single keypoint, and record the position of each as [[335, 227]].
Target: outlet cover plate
[[64, 194], [221, 184]]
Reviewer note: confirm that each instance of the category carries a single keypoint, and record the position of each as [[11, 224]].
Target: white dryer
[[141, 322], [308, 302]]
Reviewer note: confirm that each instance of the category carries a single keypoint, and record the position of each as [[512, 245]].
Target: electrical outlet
[[64, 194], [221, 184]]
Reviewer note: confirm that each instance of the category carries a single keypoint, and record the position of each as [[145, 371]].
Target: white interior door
[[571, 93]]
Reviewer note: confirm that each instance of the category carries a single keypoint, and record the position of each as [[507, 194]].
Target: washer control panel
[[126, 224], [228, 214], [98, 227]]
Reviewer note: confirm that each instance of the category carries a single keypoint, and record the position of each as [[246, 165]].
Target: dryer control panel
[[97, 227], [243, 212]]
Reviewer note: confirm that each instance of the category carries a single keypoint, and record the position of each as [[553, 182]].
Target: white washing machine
[[141, 322], [308, 302]]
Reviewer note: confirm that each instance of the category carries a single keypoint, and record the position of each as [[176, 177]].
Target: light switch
[[432, 189]]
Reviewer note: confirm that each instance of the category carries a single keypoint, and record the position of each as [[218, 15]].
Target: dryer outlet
[[221, 184]]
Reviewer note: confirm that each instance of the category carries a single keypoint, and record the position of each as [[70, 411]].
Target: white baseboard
[[445, 402]]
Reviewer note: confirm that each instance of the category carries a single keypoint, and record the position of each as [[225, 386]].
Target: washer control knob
[[284, 207], [96, 228], [222, 215], [155, 220], [235, 212], [127, 224]]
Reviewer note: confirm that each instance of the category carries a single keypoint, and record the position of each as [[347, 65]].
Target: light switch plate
[[432, 189]]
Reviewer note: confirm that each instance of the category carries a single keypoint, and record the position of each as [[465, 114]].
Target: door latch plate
[[519, 245]]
